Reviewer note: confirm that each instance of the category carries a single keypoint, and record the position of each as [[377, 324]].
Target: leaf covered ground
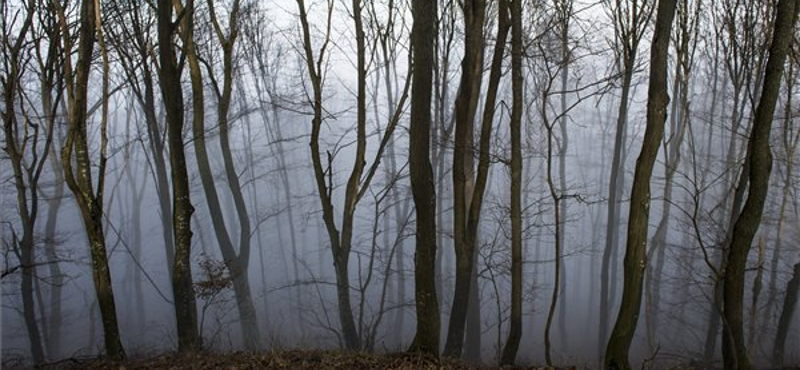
[[300, 360]]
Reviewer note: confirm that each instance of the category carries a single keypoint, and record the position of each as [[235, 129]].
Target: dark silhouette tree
[[423, 34], [759, 156], [635, 262]]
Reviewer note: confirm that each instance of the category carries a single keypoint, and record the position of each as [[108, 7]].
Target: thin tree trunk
[[612, 217], [236, 262], [426, 339], [565, 15], [79, 180], [53, 205], [760, 158], [182, 209], [785, 320], [755, 293], [515, 325], [468, 190], [25, 180], [636, 245]]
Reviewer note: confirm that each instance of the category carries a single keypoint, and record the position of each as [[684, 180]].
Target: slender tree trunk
[[685, 43], [636, 245], [612, 217], [467, 191], [755, 293], [789, 150], [426, 339], [182, 209], [517, 81], [565, 15], [236, 262], [760, 158], [785, 320], [25, 181], [79, 180], [53, 205]]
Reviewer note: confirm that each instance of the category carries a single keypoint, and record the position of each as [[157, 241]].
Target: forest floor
[[296, 359], [289, 359]]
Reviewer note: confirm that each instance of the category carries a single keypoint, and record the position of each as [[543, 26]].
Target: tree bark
[[760, 157], [423, 33], [237, 263], [79, 179], [515, 325], [182, 209], [466, 210], [785, 320], [636, 245]]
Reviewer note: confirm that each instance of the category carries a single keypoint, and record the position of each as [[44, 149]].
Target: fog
[[714, 82]]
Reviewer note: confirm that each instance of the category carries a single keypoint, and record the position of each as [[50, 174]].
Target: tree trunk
[[426, 339], [25, 180], [466, 210], [515, 325], [785, 320], [79, 180], [789, 150], [182, 287], [53, 205], [760, 158], [614, 195], [636, 245], [236, 262]]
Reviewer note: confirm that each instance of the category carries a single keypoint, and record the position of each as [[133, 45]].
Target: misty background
[[279, 287]]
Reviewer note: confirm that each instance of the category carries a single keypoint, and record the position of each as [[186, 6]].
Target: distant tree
[[361, 175], [467, 196], [785, 321], [685, 40], [27, 144], [236, 261]]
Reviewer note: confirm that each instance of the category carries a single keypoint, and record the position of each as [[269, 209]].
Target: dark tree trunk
[[79, 179], [182, 209], [636, 245], [423, 33], [515, 325], [466, 210], [760, 157], [785, 320]]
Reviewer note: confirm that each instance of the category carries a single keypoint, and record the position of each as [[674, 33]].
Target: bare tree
[[636, 248], [133, 43], [27, 153], [236, 262], [182, 209], [468, 188], [359, 180], [630, 23], [785, 321], [760, 162], [426, 339], [517, 82], [685, 40], [75, 152]]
